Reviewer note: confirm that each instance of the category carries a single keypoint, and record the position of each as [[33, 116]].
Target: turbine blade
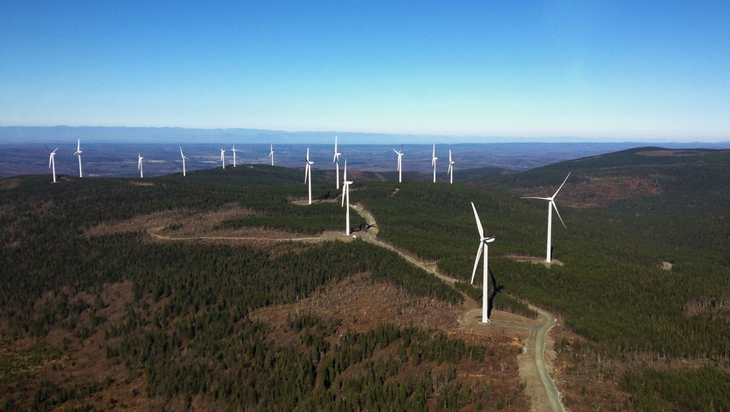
[[344, 193], [449, 156], [540, 198], [479, 223], [476, 261], [561, 186], [306, 172], [556, 211]]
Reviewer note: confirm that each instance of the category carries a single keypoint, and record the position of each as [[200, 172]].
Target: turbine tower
[[433, 162], [308, 175], [52, 162], [450, 172], [271, 154], [183, 160], [483, 244], [223, 158], [234, 155], [346, 199], [139, 165], [78, 153], [400, 163], [551, 206], [336, 161]]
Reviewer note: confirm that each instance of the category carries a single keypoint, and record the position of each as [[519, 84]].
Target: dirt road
[[533, 368], [540, 386]]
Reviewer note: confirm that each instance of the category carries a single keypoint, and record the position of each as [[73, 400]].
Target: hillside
[[196, 293]]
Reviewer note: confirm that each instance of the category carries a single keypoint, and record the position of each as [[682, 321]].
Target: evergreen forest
[[643, 272]]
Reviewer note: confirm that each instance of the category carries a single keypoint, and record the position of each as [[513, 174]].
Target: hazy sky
[[636, 70]]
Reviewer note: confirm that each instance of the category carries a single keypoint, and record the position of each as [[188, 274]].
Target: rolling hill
[[642, 291]]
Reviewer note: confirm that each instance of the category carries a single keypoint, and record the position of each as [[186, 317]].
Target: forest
[[646, 274]]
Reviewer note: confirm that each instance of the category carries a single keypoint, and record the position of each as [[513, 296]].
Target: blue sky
[[619, 70]]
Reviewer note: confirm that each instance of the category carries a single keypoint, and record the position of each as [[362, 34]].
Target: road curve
[[536, 345]]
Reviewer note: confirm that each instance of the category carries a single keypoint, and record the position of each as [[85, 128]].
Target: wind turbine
[[183, 160], [78, 153], [551, 206], [271, 154], [139, 165], [52, 162], [400, 163], [336, 161], [433, 162], [346, 199], [223, 158], [234, 155], [450, 172], [483, 244], [308, 175]]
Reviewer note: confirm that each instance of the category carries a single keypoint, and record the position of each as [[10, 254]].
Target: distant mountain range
[[177, 135]]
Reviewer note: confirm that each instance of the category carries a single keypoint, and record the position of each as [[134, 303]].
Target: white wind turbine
[[78, 153], [336, 161], [483, 244], [400, 163], [308, 175], [183, 160], [450, 172], [433, 162], [551, 206], [52, 162], [271, 154], [139, 165], [223, 158], [346, 199], [234, 155]]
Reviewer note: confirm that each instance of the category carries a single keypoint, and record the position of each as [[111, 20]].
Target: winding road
[[546, 399], [540, 386]]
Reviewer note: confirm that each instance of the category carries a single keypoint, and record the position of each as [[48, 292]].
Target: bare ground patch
[[667, 152], [361, 305], [598, 191], [186, 225]]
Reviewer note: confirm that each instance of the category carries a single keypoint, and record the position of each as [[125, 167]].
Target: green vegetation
[[705, 389], [22, 363], [611, 289]]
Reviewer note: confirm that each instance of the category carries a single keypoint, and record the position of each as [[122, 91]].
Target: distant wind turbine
[[308, 175], [483, 244], [234, 155], [336, 160], [183, 160], [450, 172], [139, 165], [433, 162], [346, 199], [52, 162], [78, 153], [400, 163], [223, 158], [271, 154], [551, 206]]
